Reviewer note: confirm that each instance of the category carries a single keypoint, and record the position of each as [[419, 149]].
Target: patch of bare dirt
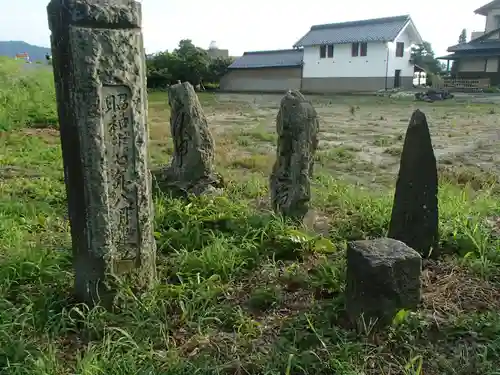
[[50, 135], [12, 171], [372, 129]]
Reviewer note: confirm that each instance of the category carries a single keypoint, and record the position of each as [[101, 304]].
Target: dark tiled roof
[[461, 54], [446, 57], [486, 8], [481, 43], [269, 59], [373, 30], [486, 36]]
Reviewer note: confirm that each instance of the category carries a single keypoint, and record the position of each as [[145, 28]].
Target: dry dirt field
[[361, 137]]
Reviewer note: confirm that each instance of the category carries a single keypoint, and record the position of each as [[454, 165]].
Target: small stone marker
[[99, 73], [297, 126], [415, 216], [383, 277], [192, 167]]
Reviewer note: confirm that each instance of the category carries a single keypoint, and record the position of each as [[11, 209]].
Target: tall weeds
[[27, 95]]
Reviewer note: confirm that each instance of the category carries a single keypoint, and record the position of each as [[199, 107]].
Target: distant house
[[23, 56], [362, 55], [352, 56], [479, 58], [265, 71]]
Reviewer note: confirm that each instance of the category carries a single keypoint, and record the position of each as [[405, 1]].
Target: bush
[[186, 63], [492, 90], [27, 95]]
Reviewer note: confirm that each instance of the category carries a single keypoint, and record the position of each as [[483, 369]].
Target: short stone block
[[383, 277]]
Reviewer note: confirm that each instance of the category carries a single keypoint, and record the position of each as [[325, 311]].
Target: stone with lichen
[[297, 126], [100, 80], [192, 168]]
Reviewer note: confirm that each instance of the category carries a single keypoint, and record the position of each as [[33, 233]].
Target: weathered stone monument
[[192, 168], [297, 126], [414, 219], [383, 277], [99, 70]]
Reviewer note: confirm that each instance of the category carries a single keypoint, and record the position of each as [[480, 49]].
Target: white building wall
[[492, 20], [372, 65], [492, 65], [401, 63], [476, 34], [343, 64], [472, 65], [494, 36]]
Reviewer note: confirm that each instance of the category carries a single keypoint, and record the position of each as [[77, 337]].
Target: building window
[[330, 50], [326, 50], [400, 49], [322, 52], [363, 49], [355, 49]]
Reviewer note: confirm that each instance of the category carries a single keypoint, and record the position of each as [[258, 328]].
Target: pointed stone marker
[[99, 72], [414, 219]]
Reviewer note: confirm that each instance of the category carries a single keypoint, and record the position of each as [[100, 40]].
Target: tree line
[[185, 63]]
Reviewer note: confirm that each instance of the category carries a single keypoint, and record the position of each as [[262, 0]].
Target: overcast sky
[[256, 24]]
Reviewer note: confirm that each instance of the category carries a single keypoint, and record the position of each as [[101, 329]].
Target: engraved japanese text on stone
[[120, 157]]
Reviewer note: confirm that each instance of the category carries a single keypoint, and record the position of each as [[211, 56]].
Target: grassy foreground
[[239, 291]]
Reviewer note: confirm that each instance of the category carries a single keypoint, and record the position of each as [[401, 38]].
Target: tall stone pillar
[[99, 72]]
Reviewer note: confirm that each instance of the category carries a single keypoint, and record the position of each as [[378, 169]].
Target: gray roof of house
[[373, 30], [475, 47], [486, 8], [478, 53], [269, 59], [481, 43]]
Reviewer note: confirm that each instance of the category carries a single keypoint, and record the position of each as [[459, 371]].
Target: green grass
[[27, 95], [239, 291]]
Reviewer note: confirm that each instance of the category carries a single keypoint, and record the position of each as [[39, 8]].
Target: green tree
[[192, 64], [217, 68], [423, 56], [159, 69], [186, 63], [463, 37]]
